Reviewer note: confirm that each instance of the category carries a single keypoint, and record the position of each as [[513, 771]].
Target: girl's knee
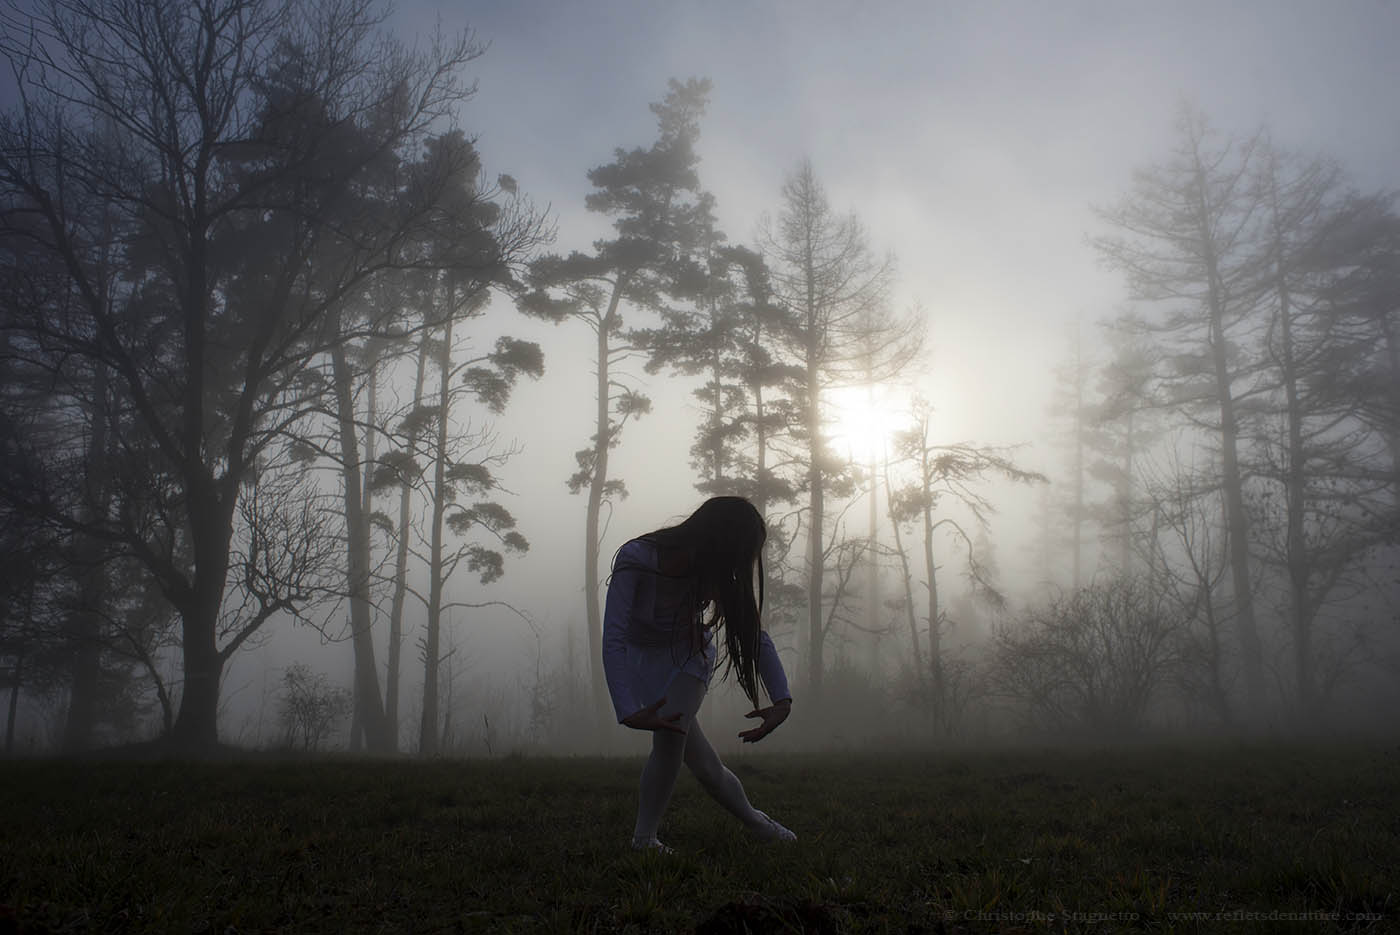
[[668, 747]]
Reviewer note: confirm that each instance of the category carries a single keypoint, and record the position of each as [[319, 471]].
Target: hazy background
[[973, 141]]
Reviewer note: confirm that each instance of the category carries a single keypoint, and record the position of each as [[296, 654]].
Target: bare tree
[[1187, 563], [943, 476], [838, 330]]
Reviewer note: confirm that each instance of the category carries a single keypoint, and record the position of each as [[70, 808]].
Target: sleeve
[[770, 669], [617, 615]]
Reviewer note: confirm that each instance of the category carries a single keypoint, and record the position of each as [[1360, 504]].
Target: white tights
[[669, 749]]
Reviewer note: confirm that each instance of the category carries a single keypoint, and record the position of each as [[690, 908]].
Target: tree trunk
[[1232, 485], [84, 630], [935, 647], [1296, 558], [210, 518], [369, 709], [16, 674], [428, 734], [908, 580], [760, 500], [815, 558], [872, 571], [1237, 532], [84, 635], [602, 443], [1078, 464], [1391, 348], [717, 416], [1125, 499], [196, 727], [357, 735], [396, 607]]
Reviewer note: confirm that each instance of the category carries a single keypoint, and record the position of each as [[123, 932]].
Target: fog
[[978, 145]]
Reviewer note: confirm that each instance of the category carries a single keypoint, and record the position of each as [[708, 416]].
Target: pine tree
[[1184, 239], [654, 198]]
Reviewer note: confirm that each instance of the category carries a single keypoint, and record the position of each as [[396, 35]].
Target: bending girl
[[671, 590]]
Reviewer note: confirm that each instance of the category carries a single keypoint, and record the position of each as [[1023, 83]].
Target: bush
[[310, 708], [1092, 660]]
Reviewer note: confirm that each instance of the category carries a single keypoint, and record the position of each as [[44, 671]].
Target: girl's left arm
[[770, 670]]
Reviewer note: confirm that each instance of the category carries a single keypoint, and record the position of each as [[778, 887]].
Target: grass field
[[1186, 839]]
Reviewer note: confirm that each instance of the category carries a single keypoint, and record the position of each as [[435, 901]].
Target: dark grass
[[1013, 841]]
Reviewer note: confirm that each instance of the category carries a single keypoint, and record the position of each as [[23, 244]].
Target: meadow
[[1225, 838]]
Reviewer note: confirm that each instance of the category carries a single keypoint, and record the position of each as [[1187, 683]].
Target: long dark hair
[[724, 539]]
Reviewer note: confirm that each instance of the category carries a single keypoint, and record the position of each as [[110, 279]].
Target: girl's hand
[[649, 718], [772, 717]]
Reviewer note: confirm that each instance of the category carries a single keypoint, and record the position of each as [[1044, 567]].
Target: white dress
[[650, 634]]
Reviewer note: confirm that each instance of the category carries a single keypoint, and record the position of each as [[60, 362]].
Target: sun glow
[[860, 422]]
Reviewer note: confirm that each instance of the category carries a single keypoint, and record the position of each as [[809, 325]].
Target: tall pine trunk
[[1390, 341], [428, 734], [1079, 444], [1125, 498], [816, 558], [397, 601], [602, 443], [815, 553], [935, 637], [1236, 523], [1297, 562], [1231, 481], [84, 628], [85, 624], [369, 707], [907, 577], [1300, 616], [12, 706]]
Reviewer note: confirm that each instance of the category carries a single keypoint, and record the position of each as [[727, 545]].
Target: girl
[[659, 652]]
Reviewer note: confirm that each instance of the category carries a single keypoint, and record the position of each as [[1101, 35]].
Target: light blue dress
[[650, 634]]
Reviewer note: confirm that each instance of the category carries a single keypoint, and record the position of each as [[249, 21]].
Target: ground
[[1218, 838]]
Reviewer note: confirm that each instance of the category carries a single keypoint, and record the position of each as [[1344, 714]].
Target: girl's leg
[[667, 752], [718, 780]]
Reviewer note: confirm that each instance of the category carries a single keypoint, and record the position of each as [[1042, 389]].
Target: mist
[[1131, 536]]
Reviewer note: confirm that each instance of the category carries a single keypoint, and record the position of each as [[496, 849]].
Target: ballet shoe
[[651, 845], [769, 830]]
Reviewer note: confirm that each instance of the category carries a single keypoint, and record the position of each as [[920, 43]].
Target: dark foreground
[[1191, 839]]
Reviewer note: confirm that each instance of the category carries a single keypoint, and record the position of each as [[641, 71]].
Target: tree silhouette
[[941, 498], [837, 329], [654, 198], [228, 145], [1183, 238]]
